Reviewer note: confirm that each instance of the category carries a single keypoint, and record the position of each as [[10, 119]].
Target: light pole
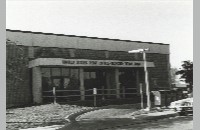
[[143, 51]]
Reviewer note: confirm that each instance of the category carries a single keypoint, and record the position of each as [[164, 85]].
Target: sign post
[[95, 99], [146, 81], [141, 93], [143, 51]]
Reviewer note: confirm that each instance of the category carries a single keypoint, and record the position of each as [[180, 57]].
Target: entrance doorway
[[103, 80], [128, 83]]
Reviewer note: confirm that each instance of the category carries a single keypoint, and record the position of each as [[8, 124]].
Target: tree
[[186, 73]]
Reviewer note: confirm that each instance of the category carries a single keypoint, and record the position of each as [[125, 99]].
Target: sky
[[159, 21]]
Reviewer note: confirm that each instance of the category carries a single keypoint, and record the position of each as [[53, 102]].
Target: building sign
[[86, 62], [100, 63]]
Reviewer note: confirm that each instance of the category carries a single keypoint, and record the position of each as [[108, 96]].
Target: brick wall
[[52, 52], [18, 89], [21, 93], [160, 72], [158, 75], [90, 54], [43, 52]]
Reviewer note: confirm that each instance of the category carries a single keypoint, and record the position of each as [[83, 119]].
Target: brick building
[[74, 65]]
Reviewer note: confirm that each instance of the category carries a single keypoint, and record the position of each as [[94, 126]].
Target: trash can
[[157, 98]]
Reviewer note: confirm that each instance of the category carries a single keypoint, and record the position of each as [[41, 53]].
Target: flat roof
[[83, 36]]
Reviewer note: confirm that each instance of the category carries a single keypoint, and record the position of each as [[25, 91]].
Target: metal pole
[[54, 94], [103, 96], [141, 93], [146, 80], [95, 100]]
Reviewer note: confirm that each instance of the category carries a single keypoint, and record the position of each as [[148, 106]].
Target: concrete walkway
[[54, 127], [109, 118], [102, 114]]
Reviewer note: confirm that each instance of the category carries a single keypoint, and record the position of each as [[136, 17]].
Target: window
[[74, 73], [62, 78], [46, 78], [65, 72], [93, 75], [46, 72], [89, 75], [86, 75], [56, 71]]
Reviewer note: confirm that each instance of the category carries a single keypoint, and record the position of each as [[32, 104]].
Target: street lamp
[[143, 51]]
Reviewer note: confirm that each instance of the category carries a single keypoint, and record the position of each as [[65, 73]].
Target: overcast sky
[[163, 21]]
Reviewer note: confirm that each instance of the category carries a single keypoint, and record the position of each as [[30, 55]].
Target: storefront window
[[86, 75], [61, 78], [89, 75], [74, 73], [46, 72], [56, 71], [90, 80], [46, 79], [93, 75], [65, 71]]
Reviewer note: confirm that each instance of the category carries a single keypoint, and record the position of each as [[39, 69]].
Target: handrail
[[100, 92], [90, 95], [69, 90], [88, 90]]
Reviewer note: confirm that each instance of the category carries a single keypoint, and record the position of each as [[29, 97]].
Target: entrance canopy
[[86, 63]]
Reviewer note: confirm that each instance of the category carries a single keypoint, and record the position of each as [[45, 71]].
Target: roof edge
[[83, 36]]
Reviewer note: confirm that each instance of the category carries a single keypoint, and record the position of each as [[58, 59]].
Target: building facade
[[74, 65]]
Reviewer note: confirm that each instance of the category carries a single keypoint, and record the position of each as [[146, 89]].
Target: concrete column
[[117, 82], [37, 85], [82, 88]]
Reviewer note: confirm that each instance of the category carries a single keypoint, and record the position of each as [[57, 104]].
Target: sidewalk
[[108, 117], [104, 114], [113, 117]]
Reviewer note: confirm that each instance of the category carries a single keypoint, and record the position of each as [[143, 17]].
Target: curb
[[143, 120], [72, 117], [160, 117], [139, 120], [53, 127]]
